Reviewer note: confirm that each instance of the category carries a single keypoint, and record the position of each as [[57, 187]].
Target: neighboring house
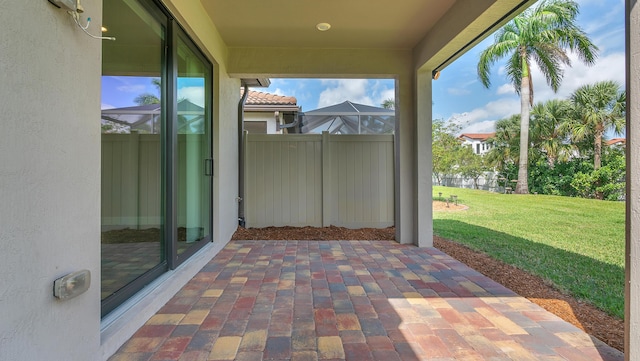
[[161, 224], [478, 141], [617, 143], [266, 113]]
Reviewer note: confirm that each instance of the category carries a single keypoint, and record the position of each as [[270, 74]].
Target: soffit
[[354, 23]]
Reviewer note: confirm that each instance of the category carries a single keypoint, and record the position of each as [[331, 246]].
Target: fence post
[[136, 165], [327, 198]]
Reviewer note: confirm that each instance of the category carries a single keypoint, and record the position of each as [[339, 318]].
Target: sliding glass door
[[156, 148], [194, 162]]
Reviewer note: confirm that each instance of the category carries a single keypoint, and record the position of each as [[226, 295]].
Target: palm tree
[[542, 34], [148, 98], [548, 130], [598, 107], [505, 143], [389, 103]]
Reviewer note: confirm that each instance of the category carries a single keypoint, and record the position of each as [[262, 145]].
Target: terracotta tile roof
[[616, 141], [260, 98], [477, 136]]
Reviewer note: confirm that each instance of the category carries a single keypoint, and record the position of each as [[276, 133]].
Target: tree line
[[555, 147], [566, 151]]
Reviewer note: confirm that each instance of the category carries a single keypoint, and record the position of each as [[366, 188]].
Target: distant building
[[616, 142], [266, 113], [349, 118], [478, 141]]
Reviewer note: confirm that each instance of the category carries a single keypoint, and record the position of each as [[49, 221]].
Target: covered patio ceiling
[[370, 24], [435, 30]]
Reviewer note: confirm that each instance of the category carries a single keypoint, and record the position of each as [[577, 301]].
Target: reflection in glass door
[[156, 148], [194, 164], [133, 251]]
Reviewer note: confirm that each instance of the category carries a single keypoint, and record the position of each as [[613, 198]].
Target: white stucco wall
[[226, 155], [49, 180], [268, 117], [477, 144]]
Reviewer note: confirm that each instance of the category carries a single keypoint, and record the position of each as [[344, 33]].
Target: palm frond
[[550, 59]]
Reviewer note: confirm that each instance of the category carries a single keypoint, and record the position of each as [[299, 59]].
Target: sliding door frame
[[168, 157]]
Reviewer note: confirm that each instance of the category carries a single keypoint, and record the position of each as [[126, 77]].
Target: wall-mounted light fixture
[[72, 285]]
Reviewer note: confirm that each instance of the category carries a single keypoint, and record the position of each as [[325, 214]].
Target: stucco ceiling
[[354, 23]]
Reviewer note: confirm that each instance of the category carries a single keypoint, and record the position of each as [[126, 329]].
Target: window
[[256, 127]]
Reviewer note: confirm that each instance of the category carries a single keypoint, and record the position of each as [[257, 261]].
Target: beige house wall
[[49, 181]]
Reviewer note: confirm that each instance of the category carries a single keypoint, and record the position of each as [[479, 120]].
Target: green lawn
[[576, 244]]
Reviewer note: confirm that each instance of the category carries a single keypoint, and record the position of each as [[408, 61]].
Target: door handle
[[208, 167]]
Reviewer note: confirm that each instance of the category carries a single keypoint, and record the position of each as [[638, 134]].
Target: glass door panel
[[194, 164], [133, 252]]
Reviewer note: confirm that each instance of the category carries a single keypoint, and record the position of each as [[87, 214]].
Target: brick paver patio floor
[[353, 300]]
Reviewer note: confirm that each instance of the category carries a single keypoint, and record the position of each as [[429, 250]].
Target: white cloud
[[194, 94], [133, 88], [340, 90], [505, 89], [458, 91], [106, 106], [278, 91], [486, 126], [483, 119], [610, 67]]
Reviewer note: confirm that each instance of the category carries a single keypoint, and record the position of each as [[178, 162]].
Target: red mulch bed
[[588, 318]]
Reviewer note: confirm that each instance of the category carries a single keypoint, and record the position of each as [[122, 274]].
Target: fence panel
[[130, 181], [361, 192], [319, 180]]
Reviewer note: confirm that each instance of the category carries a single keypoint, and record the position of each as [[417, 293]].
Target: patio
[[354, 300]]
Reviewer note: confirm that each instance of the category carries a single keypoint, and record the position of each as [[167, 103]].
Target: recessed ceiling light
[[323, 26]]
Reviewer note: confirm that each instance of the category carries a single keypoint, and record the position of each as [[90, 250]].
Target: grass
[[576, 244]]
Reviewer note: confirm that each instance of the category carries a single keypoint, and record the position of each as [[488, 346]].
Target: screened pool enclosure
[[349, 118]]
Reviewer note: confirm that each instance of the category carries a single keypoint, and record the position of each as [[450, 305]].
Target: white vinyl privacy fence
[[132, 183], [319, 180]]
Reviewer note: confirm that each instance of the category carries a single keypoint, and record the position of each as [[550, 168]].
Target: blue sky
[[120, 91], [459, 96]]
